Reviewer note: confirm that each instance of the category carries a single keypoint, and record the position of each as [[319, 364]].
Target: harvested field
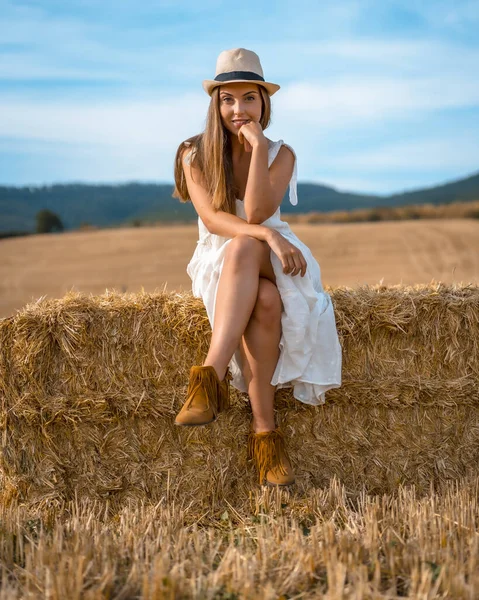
[[451, 210], [102, 497], [324, 544], [350, 254]]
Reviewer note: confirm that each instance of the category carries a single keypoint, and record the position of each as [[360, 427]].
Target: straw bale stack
[[90, 385]]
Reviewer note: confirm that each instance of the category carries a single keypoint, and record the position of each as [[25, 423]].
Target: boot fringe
[[216, 397], [224, 396], [264, 448]]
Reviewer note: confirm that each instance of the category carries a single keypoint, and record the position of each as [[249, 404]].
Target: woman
[[272, 323]]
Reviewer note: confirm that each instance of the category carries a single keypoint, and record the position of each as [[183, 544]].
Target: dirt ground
[[350, 254]]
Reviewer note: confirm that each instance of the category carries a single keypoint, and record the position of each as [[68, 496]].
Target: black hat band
[[239, 75]]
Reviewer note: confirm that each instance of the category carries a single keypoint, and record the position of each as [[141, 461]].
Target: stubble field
[[407, 411], [349, 254]]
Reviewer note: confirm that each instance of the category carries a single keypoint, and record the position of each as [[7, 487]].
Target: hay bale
[[90, 386]]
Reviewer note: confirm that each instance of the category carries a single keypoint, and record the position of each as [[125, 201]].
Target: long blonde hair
[[211, 154]]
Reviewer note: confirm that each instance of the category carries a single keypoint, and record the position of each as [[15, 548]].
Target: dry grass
[[453, 210], [350, 254], [327, 543], [103, 497]]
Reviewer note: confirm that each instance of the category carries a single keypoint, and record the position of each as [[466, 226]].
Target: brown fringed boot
[[268, 451], [206, 397]]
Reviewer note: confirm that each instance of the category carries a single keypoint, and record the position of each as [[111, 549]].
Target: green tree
[[48, 221]]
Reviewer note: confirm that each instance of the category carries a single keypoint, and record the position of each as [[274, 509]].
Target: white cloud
[[354, 101], [337, 105], [419, 56], [121, 140], [458, 151], [160, 122]]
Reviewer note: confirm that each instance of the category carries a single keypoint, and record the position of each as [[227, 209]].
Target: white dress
[[310, 352]]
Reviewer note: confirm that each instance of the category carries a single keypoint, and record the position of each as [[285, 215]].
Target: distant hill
[[115, 205]]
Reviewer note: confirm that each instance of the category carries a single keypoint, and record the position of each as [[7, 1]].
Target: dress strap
[[189, 154], [293, 184]]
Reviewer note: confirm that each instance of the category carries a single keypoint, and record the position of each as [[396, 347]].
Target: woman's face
[[239, 103]]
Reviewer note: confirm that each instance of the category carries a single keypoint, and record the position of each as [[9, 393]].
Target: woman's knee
[[268, 307], [243, 248]]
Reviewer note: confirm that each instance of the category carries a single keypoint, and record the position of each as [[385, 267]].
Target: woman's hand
[[291, 257], [251, 134]]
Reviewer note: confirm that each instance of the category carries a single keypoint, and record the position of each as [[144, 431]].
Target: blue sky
[[376, 96]]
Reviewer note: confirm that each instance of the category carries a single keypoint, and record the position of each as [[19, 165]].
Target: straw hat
[[238, 64]]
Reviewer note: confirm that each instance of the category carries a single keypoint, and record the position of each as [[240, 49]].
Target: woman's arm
[[218, 222], [266, 187], [227, 225], [258, 197]]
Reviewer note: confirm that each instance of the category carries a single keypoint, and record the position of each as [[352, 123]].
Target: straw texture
[[90, 386]]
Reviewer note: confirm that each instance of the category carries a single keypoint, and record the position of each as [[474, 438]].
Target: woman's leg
[[260, 352], [246, 260]]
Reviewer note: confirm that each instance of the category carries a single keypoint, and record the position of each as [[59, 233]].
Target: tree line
[[46, 221]]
